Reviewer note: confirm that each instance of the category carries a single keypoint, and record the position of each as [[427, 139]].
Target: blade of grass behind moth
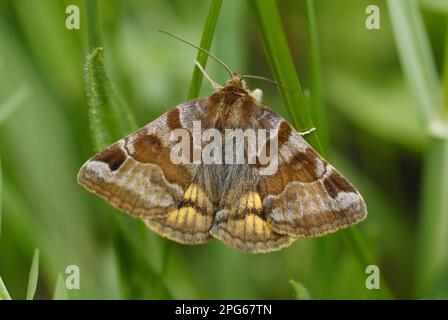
[[138, 278], [110, 118], [418, 64], [434, 209], [419, 70], [322, 246], [301, 292], [34, 274], [13, 103], [6, 109], [432, 255], [318, 111], [60, 293], [93, 29], [277, 51], [4, 294], [206, 42], [1, 196], [445, 74]]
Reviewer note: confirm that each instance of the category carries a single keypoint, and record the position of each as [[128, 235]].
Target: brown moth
[[193, 203]]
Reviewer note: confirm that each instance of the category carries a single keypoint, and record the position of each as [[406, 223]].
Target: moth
[[191, 202]]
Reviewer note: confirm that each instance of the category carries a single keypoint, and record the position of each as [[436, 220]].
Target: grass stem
[[1, 196], [4, 294], [420, 72], [34, 274], [318, 111], [93, 28], [277, 51], [206, 42]]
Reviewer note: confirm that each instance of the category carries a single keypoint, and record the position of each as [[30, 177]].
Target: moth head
[[235, 93], [236, 81]]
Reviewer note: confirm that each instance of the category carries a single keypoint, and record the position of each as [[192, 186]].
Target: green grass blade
[[318, 111], [300, 291], [1, 196], [60, 293], [445, 74], [420, 72], [34, 274], [279, 56], [415, 56], [206, 42], [110, 118], [93, 29], [139, 280], [12, 103], [4, 294], [432, 254]]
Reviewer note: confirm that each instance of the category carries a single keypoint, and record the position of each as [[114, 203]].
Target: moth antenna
[[214, 83], [304, 133], [250, 76], [211, 55]]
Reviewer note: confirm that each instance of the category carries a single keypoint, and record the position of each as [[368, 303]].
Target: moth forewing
[[307, 196]]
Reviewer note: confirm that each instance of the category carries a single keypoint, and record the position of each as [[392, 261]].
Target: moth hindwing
[[253, 205]]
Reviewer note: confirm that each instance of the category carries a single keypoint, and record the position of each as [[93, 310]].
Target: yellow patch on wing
[[185, 218], [250, 234], [250, 201], [251, 228], [196, 195], [185, 225], [190, 222], [191, 192]]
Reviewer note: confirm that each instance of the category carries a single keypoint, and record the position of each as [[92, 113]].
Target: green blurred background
[[377, 139]]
